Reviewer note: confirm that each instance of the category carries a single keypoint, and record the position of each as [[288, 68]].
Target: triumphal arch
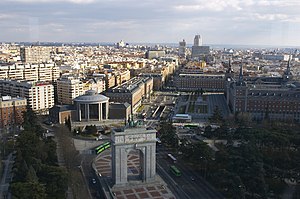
[[140, 142]]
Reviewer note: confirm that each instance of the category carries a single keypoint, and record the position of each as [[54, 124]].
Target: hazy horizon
[[235, 22]]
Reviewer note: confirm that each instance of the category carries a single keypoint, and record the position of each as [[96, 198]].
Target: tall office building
[[182, 49], [197, 40], [35, 54], [199, 51]]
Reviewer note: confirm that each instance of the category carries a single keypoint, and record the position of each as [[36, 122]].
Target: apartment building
[[35, 54], [122, 76], [132, 91], [159, 73], [68, 88], [11, 111], [39, 95], [30, 72], [110, 81]]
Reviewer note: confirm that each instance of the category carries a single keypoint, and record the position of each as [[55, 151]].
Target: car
[[94, 181], [48, 122], [192, 178]]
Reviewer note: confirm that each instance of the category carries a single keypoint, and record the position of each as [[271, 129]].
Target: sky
[[237, 22]]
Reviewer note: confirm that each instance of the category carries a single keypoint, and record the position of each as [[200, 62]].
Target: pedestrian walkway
[[135, 190], [6, 177], [61, 163]]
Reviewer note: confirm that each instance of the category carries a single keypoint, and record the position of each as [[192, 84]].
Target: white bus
[[172, 158]]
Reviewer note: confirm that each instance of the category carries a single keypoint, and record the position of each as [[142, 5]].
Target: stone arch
[[133, 139], [135, 167]]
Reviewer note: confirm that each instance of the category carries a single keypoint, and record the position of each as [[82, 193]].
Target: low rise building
[[91, 107]]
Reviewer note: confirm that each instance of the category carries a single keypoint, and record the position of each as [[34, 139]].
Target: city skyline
[[251, 22]]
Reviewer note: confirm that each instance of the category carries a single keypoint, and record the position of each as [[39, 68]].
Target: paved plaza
[[157, 190]]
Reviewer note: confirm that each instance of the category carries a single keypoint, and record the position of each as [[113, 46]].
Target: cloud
[[213, 5], [54, 1], [6, 16], [270, 17], [218, 21], [110, 24], [263, 17], [278, 3]]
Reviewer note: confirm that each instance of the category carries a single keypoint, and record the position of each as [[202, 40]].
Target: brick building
[[11, 111], [272, 98]]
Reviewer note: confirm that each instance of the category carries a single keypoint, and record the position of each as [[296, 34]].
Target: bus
[[102, 147], [175, 170], [172, 158]]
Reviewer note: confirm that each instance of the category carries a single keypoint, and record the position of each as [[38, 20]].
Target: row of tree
[[256, 161], [36, 174]]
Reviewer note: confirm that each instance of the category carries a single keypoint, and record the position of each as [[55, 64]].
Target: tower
[[287, 74], [229, 75], [198, 51], [197, 40], [182, 49], [240, 94], [241, 78]]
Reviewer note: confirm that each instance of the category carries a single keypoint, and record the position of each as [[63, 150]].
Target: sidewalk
[[6, 178]]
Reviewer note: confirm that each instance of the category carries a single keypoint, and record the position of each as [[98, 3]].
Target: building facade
[[182, 49], [30, 72], [35, 54], [68, 88], [194, 82], [132, 91], [151, 54], [39, 95], [91, 106], [197, 40], [11, 111], [271, 98]]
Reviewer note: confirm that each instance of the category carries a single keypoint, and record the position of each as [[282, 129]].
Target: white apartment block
[[68, 88], [40, 95], [30, 72], [35, 54]]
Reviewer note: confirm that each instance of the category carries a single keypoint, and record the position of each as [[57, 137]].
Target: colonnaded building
[[91, 106]]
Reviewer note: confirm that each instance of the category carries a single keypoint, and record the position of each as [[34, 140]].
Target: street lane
[[184, 186]]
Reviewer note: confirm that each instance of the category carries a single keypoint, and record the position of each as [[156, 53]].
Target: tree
[[32, 190], [197, 153], [92, 129], [167, 134], [56, 180], [217, 116]]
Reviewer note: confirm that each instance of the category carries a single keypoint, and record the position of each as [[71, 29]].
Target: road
[[189, 185]]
